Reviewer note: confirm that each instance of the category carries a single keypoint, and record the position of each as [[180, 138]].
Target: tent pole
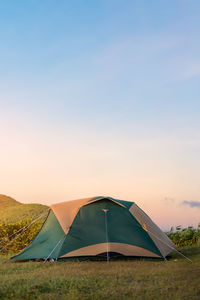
[[106, 227]]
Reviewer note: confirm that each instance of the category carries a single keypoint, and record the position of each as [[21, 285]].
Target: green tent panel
[[97, 226]]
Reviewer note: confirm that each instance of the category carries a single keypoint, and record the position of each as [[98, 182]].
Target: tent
[[97, 226]]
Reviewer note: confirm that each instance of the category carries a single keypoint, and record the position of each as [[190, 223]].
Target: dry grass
[[175, 279]]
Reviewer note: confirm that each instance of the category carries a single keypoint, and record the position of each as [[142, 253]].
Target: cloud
[[191, 203], [168, 200]]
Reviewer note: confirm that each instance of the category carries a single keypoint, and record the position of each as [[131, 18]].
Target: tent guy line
[[54, 248]]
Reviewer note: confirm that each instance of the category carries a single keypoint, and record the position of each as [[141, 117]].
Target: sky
[[102, 98]]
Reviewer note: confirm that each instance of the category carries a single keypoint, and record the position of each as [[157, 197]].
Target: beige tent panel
[[67, 211], [160, 239], [125, 249]]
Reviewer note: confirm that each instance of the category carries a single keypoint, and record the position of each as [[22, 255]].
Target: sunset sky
[[102, 98]]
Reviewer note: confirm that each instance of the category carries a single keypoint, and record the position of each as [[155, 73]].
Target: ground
[[176, 279]]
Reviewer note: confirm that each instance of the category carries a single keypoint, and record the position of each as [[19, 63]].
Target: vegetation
[[12, 211], [15, 237], [15, 219], [185, 237], [176, 278]]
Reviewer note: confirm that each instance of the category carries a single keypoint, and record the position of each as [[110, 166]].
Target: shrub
[[185, 236], [14, 239]]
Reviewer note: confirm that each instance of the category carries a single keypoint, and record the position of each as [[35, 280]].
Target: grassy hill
[[12, 211]]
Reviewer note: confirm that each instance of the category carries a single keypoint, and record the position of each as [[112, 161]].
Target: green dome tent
[[98, 226]]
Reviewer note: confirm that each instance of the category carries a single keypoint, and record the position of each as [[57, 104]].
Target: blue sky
[[101, 97]]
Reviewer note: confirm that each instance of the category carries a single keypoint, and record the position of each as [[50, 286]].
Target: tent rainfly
[[98, 226]]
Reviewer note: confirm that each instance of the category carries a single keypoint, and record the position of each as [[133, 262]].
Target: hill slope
[[12, 211]]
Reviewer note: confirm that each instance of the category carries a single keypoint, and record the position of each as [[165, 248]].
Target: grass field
[[176, 279]]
